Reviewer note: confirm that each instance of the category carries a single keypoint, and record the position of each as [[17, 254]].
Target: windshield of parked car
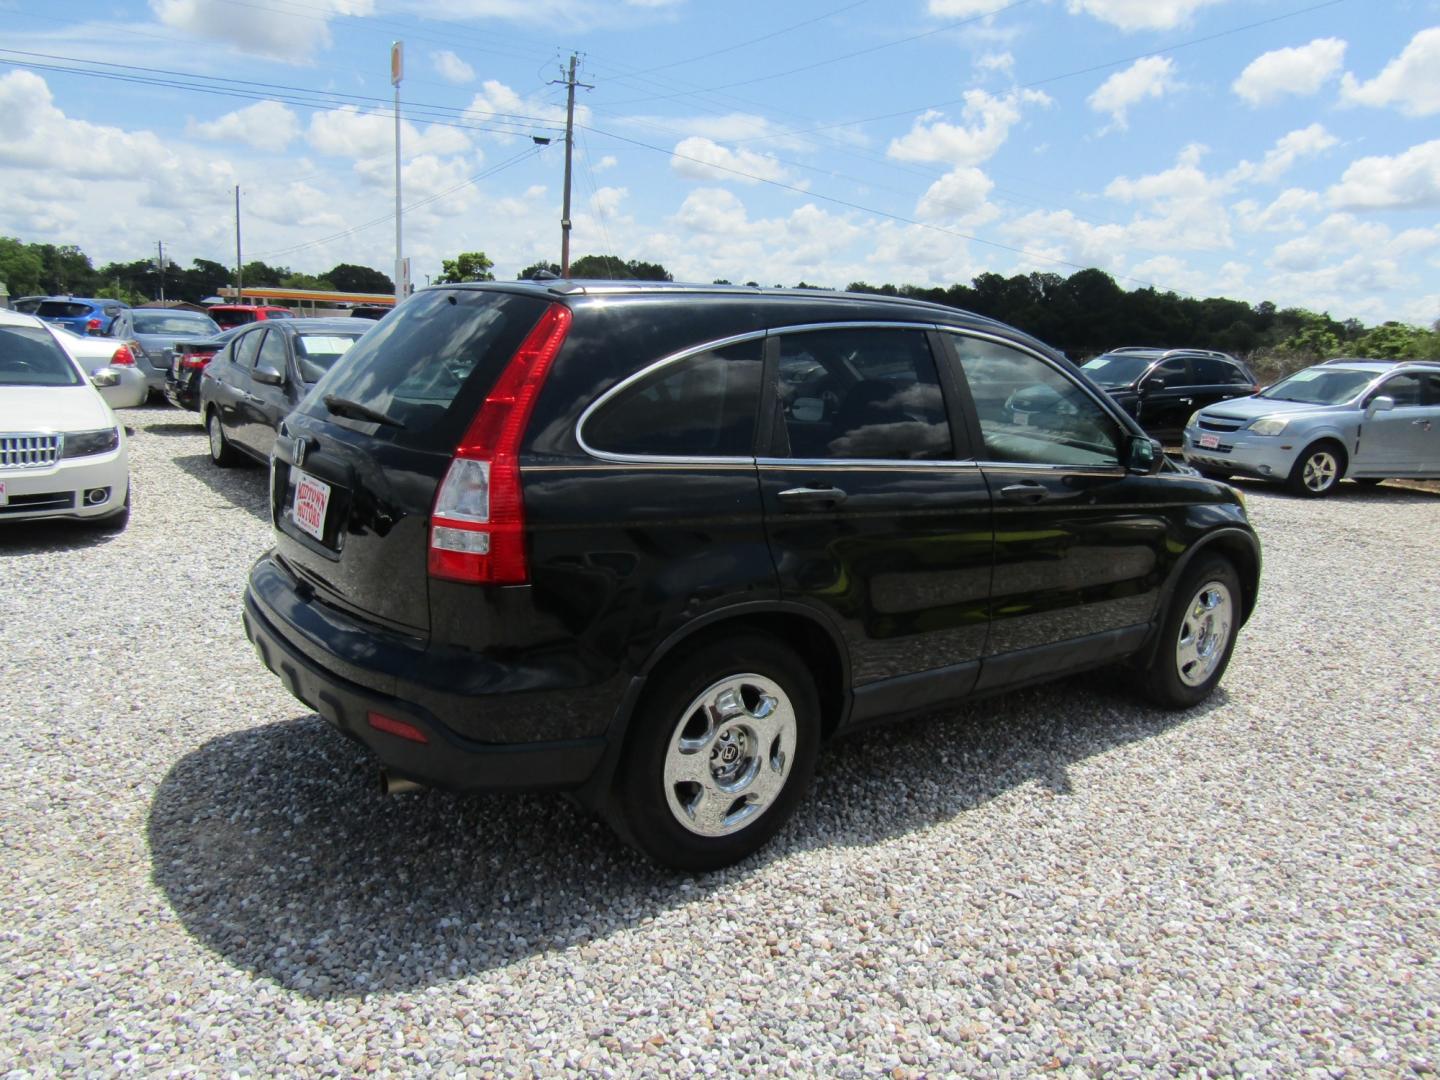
[[1320, 386], [317, 353], [29, 356], [174, 322], [1116, 369]]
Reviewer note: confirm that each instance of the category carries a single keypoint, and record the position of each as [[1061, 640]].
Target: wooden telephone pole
[[570, 85]]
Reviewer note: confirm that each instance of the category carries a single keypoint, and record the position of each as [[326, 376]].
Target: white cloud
[[285, 34], [961, 9], [699, 158], [1003, 62], [451, 68], [1300, 71], [958, 196], [1410, 82], [347, 132], [1404, 182], [266, 125], [576, 15], [609, 161], [1279, 159], [1152, 77], [1186, 180], [1287, 213], [1139, 14], [505, 113], [989, 119]]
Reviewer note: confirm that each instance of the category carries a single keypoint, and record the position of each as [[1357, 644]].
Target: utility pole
[[160, 266], [397, 72], [570, 84], [239, 283]]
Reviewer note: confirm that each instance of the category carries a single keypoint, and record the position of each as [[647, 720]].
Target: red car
[[228, 315]]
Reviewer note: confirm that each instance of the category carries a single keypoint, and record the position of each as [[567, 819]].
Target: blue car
[[81, 314]]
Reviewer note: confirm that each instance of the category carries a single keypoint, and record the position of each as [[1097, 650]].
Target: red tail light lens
[[123, 357], [477, 529], [196, 360], [92, 326]]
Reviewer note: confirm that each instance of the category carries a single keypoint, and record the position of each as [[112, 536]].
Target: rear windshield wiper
[[356, 411]]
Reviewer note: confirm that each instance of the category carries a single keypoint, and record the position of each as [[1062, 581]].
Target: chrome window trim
[[644, 373], [1106, 403], [806, 328], [1086, 470], [863, 463]]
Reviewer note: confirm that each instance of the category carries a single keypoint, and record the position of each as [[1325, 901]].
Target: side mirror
[[266, 374], [1383, 403], [104, 376], [107, 381], [1153, 383], [1144, 455]]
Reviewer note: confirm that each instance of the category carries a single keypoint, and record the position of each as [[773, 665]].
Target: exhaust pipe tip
[[397, 785]]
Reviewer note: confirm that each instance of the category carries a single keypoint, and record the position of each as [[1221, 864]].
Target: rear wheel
[[1197, 636], [721, 752], [221, 452], [1317, 470]]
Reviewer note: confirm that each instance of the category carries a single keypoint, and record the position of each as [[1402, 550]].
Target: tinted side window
[[245, 348], [703, 405], [273, 351], [1210, 371], [1405, 389], [1175, 372], [1032, 413], [864, 393]]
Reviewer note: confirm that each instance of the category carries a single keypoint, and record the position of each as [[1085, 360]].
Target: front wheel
[[722, 750], [1197, 636], [1317, 470]]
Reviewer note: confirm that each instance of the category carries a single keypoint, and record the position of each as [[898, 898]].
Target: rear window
[[173, 322], [430, 366], [61, 309], [29, 356], [230, 319]]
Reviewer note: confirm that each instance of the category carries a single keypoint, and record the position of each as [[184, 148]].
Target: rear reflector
[[391, 726], [477, 528]]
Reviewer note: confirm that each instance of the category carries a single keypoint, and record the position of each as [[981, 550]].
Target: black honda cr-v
[[653, 544]]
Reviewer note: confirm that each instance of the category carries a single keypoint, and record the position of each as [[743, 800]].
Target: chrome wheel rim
[[730, 755], [1321, 468], [1204, 633], [217, 437]]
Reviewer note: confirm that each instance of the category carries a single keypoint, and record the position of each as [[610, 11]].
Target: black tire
[[221, 452], [1317, 470], [1180, 676], [721, 830]]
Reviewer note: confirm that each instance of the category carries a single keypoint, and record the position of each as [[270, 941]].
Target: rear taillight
[[123, 357], [477, 530], [92, 326], [196, 360]]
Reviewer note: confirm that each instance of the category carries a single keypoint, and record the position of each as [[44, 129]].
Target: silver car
[[155, 331], [1366, 420]]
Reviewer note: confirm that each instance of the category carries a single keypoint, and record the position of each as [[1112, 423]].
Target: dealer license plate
[[312, 497], [1209, 442]]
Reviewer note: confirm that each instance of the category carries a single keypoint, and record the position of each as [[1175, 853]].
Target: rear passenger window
[[867, 394], [703, 405], [1211, 371], [1031, 413], [246, 348]]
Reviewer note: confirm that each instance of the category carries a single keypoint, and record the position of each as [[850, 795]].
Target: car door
[[229, 383], [1166, 397], [1080, 541], [1398, 441], [877, 514], [268, 399]]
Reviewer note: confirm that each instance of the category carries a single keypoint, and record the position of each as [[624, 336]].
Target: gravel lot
[[200, 878]]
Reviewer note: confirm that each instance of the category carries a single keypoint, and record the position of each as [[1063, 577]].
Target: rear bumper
[[183, 393], [447, 758]]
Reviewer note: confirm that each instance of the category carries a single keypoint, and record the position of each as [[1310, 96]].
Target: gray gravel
[[199, 878]]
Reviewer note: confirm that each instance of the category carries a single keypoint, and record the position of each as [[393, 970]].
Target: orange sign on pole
[[397, 62]]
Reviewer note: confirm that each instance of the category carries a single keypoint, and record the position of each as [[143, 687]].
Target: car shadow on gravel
[[191, 429], [38, 537], [246, 486], [276, 850]]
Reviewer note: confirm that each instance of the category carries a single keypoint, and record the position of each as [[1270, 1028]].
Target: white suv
[[1366, 420]]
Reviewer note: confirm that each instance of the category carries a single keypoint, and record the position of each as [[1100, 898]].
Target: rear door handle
[[1026, 492], [1421, 424], [812, 497]]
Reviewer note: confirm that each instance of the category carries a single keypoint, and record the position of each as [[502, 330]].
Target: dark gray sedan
[[156, 330], [261, 374]]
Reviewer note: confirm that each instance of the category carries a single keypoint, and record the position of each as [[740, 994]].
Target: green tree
[[528, 274], [467, 266], [260, 274], [66, 269], [306, 281], [611, 268], [20, 267], [347, 277]]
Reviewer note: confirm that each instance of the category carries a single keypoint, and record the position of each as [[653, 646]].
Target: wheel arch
[[1239, 546]]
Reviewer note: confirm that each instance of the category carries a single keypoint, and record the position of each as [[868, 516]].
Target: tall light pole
[[397, 72], [239, 266]]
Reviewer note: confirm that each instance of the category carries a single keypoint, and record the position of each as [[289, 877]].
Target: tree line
[[1082, 314]]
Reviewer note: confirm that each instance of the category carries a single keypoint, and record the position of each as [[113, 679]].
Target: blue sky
[[1261, 149]]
